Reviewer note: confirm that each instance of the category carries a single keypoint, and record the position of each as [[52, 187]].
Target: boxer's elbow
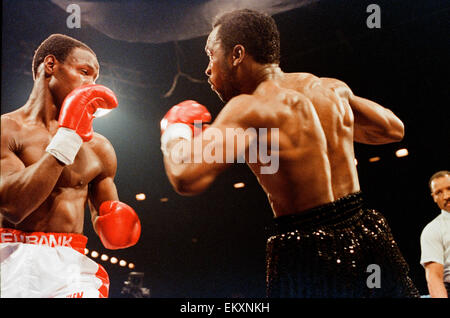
[[12, 215], [193, 179], [395, 129], [13, 209], [188, 187], [398, 131], [394, 133]]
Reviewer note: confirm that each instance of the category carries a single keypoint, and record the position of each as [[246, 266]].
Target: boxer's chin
[[223, 97]]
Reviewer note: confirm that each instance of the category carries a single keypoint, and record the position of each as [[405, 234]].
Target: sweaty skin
[[318, 121], [316, 159], [37, 192]]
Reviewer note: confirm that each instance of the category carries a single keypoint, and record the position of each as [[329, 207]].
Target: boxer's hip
[[326, 252], [72, 240], [38, 264], [346, 209]]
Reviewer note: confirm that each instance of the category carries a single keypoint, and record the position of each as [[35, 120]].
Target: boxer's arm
[[23, 189], [374, 124], [103, 188], [192, 172], [434, 273], [116, 223]]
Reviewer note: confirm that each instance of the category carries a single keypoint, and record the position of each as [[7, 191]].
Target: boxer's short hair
[[438, 174], [60, 46], [256, 31]]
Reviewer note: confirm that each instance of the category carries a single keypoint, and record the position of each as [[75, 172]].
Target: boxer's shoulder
[[250, 110], [241, 107], [100, 144], [11, 121], [11, 129]]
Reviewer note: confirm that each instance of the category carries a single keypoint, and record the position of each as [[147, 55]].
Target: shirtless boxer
[[52, 163], [323, 238]]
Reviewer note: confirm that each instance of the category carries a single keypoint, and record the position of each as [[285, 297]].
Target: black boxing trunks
[[337, 250]]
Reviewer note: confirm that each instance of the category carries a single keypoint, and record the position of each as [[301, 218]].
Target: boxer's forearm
[[22, 192], [374, 124]]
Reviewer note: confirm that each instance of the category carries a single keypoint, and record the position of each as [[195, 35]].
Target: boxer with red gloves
[[308, 124], [52, 164]]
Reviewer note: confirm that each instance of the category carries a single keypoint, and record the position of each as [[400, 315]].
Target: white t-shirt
[[435, 243]]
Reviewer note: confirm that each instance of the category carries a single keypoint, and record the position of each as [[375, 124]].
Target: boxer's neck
[[40, 107], [259, 73]]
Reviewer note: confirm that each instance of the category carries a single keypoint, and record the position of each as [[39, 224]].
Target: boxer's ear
[[50, 63], [238, 54]]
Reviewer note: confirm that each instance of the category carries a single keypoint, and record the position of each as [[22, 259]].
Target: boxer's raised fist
[[180, 119], [186, 112], [75, 120], [79, 106]]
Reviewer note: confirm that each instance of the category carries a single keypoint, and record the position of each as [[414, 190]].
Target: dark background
[[213, 245]]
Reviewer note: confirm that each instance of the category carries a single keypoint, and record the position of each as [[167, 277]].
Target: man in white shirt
[[435, 239]]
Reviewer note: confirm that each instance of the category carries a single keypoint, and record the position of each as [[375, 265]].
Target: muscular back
[[316, 157]]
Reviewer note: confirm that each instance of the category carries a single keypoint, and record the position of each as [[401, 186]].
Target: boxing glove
[[180, 119], [75, 120], [117, 225]]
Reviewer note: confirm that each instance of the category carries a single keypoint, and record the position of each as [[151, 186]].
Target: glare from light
[[86, 251], [164, 199], [374, 159], [94, 254], [401, 152], [122, 263], [113, 260], [104, 257], [239, 185], [100, 112], [130, 265], [356, 162], [163, 124], [140, 196]]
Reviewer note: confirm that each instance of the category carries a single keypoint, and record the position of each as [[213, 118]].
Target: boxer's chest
[[85, 168]]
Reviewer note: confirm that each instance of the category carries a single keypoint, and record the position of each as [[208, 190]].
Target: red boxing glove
[[79, 106], [117, 225], [75, 120], [179, 121], [186, 112]]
